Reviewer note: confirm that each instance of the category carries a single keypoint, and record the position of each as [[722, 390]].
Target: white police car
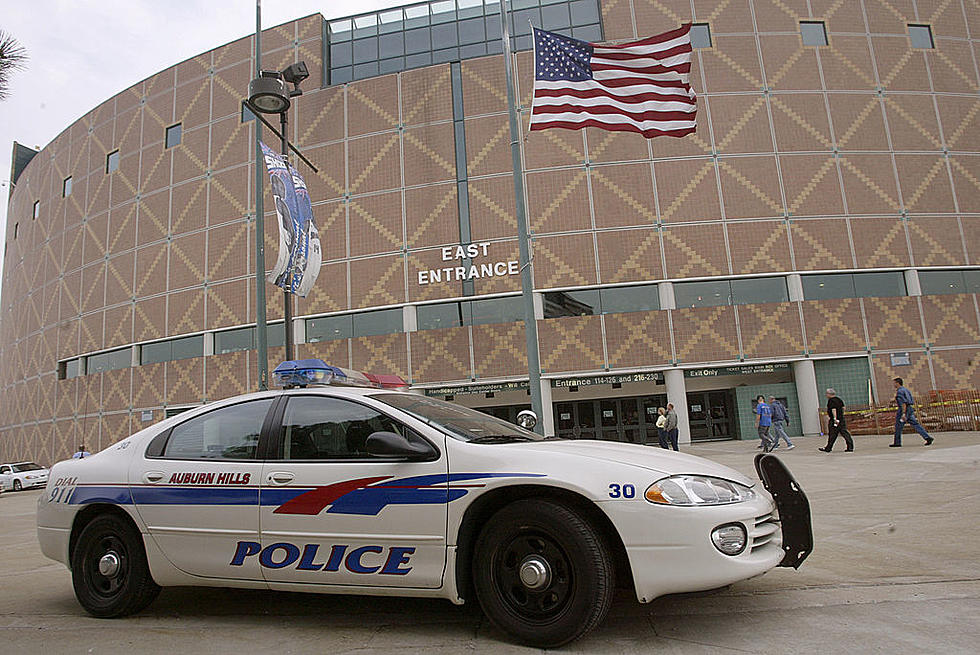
[[366, 490]]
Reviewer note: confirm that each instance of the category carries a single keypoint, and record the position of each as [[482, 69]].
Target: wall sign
[[750, 369], [516, 385], [146, 416], [608, 379], [461, 265], [901, 359]]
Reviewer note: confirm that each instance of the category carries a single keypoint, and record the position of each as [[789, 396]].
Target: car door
[[197, 488], [332, 514]]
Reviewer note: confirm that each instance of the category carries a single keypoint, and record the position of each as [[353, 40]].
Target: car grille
[[764, 531]]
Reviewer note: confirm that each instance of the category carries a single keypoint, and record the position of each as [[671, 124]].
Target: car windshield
[[461, 422], [29, 466]]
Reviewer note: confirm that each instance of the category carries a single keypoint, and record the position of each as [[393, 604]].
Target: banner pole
[[287, 303], [261, 334], [527, 281]]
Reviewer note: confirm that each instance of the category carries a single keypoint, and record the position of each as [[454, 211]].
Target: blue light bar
[[302, 372]]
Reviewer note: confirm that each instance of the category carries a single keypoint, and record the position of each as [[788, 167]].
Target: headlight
[[31, 477], [691, 490]]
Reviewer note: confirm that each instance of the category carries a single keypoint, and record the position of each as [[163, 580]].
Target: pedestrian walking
[[662, 427], [780, 419], [671, 426], [763, 421], [836, 424], [903, 398]]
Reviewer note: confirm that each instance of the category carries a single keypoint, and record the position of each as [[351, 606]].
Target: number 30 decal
[[622, 491]]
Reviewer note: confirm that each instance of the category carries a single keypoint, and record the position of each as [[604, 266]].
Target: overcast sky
[[82, 52]]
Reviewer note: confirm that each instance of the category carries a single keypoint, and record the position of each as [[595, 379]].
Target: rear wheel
[[109, 570], [17, 485], [542, 573]]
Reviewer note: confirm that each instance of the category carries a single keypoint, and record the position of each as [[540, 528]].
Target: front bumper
[[34, 484]]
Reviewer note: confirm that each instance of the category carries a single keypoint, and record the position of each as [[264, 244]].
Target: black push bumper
[[793, 508]]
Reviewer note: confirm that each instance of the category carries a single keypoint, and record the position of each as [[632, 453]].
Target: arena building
[[822, 228]]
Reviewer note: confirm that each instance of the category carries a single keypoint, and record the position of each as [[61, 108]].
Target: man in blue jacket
[[763, 420], [780, 418], [906, 414]]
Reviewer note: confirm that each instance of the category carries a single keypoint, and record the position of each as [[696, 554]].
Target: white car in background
[[340, 489], [23, 475]]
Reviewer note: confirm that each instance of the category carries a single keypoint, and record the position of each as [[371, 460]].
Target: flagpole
[[527, 282], [261, 334]]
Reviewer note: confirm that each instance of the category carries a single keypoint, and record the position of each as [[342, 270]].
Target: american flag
[[641, 86]]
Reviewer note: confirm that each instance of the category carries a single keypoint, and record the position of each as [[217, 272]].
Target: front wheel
[[17, 485], [542, 573], [109, 569]]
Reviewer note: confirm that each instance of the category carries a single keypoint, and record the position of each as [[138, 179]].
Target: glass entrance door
[[711, 415], [612, 419]]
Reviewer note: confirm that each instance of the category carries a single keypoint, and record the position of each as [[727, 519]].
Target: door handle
[[281, 477], [153, 476]]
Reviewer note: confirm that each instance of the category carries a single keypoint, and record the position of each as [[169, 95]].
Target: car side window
[[318, 427], [228, 433]]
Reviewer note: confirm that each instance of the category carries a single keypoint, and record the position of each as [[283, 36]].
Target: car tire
[[17, 485], [542, 573], [109, 570]]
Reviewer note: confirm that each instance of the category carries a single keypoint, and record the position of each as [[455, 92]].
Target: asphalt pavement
[[896, 569]]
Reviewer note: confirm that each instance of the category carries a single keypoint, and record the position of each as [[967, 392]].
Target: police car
[[340, 483]]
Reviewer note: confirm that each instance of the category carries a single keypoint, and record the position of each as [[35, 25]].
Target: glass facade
[[109, 361], [619, 300], [857, 285], [944, 282], [571, 303], [702, 294], [471, 312], [435, 32]]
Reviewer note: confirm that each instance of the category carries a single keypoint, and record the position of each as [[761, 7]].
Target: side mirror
[[527, 419], [392, 444]]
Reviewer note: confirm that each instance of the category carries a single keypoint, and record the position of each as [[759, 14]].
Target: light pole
[[267, 94]]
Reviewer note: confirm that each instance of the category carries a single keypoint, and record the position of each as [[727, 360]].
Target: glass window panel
[[584, 12], [391, 65], [276, 335], [972, 280], [417, 41], [340, 54], [228, 433], [443, 11], [941, 282], [110, 361], [392, 45], [414, 61], [571, 303], [433, 317], [365, 25], [231, 341], [590, 33], [112, 162], [702, 294], [154, 353], [472, 31], [921, 37], [173, 135], [818, 287], [700, 35], [469, 8], [759, 290], [340, 30], [442, 56], [73, 368], [391, 21], [497, 310], [475, 50], [384, 321], [555, 17], [365, 50], [247, 114], [813, 33], [362, 71], [37, 208], [495, 46], [416, 16], [523, 20], [522, 4], [328, 328], [66, 187], [341, 75], [187, 347], [444, 36], [493, 27], [629, 299], [880, 285], [522, 43]]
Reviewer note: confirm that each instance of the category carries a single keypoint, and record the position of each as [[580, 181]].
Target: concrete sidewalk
[[896, 569]]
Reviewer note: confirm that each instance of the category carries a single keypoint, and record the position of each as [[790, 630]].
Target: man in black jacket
[[836, 425]]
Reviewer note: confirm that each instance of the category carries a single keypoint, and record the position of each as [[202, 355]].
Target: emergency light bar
[[304, 372]]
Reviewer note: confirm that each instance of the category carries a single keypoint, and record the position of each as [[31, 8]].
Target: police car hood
[[666, 462]]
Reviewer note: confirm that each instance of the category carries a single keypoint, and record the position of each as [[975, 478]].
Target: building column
[[677, 396], [808, 396], [547, 409], [912, 284]]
